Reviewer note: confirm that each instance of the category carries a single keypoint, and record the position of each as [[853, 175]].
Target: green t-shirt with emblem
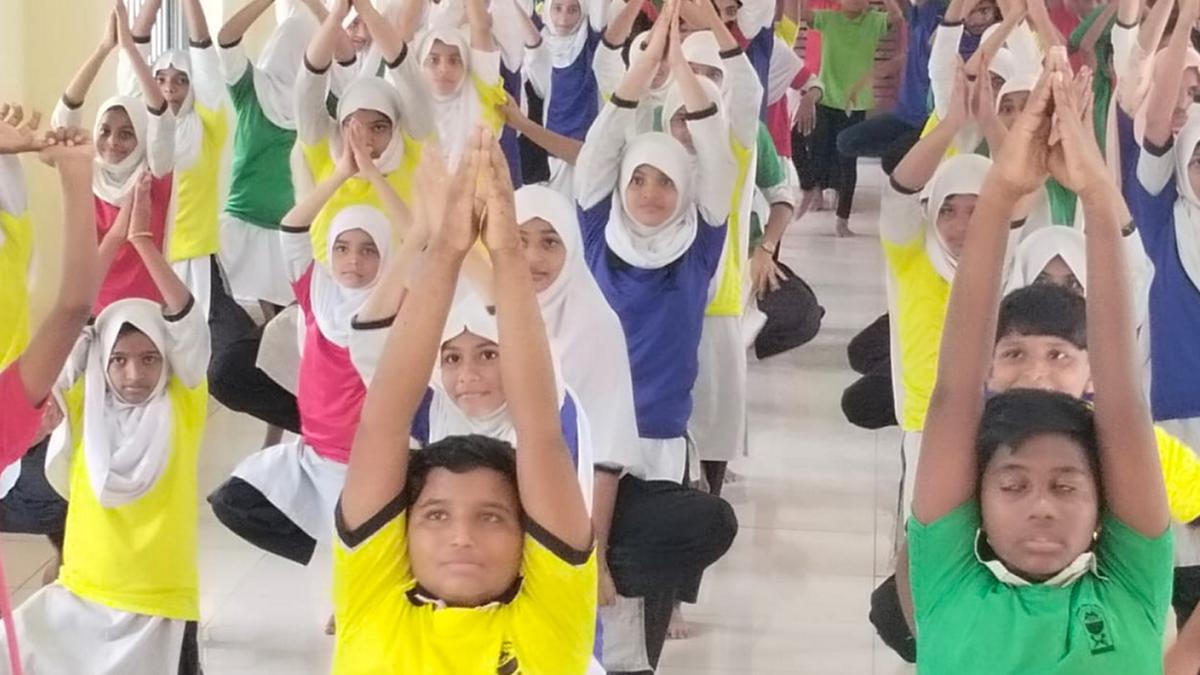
[[1109, 622]]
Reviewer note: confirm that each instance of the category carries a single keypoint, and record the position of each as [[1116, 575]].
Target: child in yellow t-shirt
[[467, 557]]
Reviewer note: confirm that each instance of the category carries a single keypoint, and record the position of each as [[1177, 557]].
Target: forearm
[[480, 22], [637, 79], [919, 165], [305, 212], [895, 15], [143, 24], [393, 206], [319, 54], [409, 20], [175, 293], [77, 90], [1045, 28], [1164, 86], [197, 23], [604, 503], [621, 26], [1127, 11], [151, 94], [777, 223], [1094, 31], [562, 147], [235, 28], [1151, 31], [391, 43], [992, 44], [385, 299], [80, 273]]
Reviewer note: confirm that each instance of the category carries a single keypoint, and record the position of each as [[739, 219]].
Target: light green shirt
[[848, 54], [260, 190]]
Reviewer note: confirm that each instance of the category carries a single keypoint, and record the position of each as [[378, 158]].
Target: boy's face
[[1041, 362]]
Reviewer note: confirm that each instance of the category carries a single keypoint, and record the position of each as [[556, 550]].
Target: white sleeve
[[313, 123], [1155, 171], [64, 116], [754, 16], [366, 347], [1025, 48], [127, 79], [746, 93], [297, 252], [598, 13], [14, 196], [160, 151], [76, 363], [538, 67], [598, 167], [486, 66], [901, 215], [718, 168], [233, 63], [1124, 41], [507, 31], [943, 64], [780, 194], [207, 82], [609, 68], [341, 75], [191, 348]]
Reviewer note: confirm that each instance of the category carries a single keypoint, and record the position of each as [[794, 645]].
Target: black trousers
[[818, 162], [234, 379], [1186, 594], [870, 402], [888, 619], [189, 658], [32, 506], [664, 535]]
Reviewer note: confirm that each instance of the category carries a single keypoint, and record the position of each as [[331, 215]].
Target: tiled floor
[[815, 506]]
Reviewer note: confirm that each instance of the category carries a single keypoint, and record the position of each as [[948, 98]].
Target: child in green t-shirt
[[1038, 538], [849, 37]]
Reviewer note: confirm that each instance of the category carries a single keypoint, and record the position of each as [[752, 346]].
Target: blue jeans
[[887, 137]]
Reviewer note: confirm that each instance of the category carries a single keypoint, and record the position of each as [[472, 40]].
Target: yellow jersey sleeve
[[555, 612], [370, 567], [491, 97], [1181, 474], [16, 252]]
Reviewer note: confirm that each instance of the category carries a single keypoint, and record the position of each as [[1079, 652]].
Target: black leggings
[[870, 402], [818, 162], [32, 506]]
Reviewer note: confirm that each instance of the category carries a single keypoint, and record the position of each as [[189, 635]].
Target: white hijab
[[585, 333], [959, 175], [279, 65], [372, 93], [1037, 250], [334, 305], [566, 47], [1187, 205], [1024, 80], [111, 182], [455, 114], [189, 130], [641, 245], [126, 446]]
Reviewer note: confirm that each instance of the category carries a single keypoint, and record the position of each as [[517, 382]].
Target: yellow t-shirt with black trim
[[1181, 473], [728, 299], [195, 232], [922, 296], [386, 628], [16, 252], [140, 557], [356, 191]]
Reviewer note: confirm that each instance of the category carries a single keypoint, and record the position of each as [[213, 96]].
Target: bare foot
[[843, 228], [331, 627], [678, 628]]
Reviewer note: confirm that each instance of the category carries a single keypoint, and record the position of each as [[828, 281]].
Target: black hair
[[1012, 418], [1044, 310], [459, 454]]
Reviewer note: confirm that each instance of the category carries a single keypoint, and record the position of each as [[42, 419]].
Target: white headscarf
[[455, 114], [334, 305], [585, 333], [1037, 250], [111, 182], [1187, 205], [372, 93], [959, 175], [701, 47], [641, 245], [189, 130], [565, 48], [278, 67], [1025, 80], [126, 446]]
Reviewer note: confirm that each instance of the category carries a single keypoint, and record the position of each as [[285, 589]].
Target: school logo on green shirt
[[1096, 626]]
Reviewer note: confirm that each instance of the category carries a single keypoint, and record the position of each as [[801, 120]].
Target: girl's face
[[565, 15], [378, 127], [1189, 91], [360, 37], [651, 196], [117, 138], [544, 251], [444, 68], [175, 85], [1058, 273], [1194, 170], [681, 132], [952, 221], [134, 367], [1011, 106], [1044, 362], [984, 15], [465, 537], [471, 374], [355, 259], [1040, 505]]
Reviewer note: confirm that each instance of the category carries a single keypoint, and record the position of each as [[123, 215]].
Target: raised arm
[[197, 24], [176, 296], [480, 22], [151, 94], [72, 154], [550, 493], [562, 147], [619, 29], [894, 12], [235, 28], [77, 91], [1039, 16], [389, 39], [1168, 76], [919, 165], [947, 472], [302, 215], [143, 23], [1154, 25], [379, 458], [319, 55], [1129, 466]]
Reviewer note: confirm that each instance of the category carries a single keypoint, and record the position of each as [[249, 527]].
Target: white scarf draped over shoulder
[[111, 182], [334, 305], [1187, 205]]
